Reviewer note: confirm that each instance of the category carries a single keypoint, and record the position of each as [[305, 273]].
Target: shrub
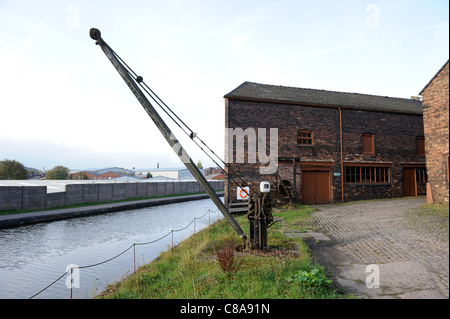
[[225, 257], [312, 280]]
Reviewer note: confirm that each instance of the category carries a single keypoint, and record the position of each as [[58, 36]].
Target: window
[[421, 175], [420, 145], [367, 175], [304, 137], [368, 144]]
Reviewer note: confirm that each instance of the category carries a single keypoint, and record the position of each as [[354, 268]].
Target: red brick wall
[[395, 142], [108, 175], [436, 123]]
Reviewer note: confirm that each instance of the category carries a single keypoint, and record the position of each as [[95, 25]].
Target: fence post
[[134, 257], [71, 281]]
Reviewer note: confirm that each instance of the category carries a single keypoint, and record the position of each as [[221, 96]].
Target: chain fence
[[71, 269]]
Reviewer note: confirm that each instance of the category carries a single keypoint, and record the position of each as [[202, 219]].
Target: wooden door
[[409, 182], [315, 187], [322, 187], [309, 187]]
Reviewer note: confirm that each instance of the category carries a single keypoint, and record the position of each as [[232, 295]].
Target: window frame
[[421, 175], [422, 139], [305, 138], [367, 174], [364, 138]]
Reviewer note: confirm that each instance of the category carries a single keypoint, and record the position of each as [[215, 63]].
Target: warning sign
[[243, 192]]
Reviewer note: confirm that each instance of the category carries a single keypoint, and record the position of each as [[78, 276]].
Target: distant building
[[213, 171], [173, 173], [220, 176], [435, 97], [102, 174]]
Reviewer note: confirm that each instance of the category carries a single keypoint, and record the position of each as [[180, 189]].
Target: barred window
[[367, 175], [421, 175], [304, 137]]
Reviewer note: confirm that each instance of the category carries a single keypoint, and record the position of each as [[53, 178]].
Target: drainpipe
[[342, 160]]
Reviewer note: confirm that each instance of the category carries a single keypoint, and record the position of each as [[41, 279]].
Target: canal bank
[[14, 220]]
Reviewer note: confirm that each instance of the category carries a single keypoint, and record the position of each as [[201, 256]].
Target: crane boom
[[165, 131]]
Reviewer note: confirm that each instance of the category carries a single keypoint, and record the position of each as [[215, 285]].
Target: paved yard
[[408, 244]]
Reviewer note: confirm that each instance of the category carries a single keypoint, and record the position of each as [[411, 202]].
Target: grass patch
[[295, 215], [441, 210], [210, 265]]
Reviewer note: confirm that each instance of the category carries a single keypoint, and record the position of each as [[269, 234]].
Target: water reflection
[[32, 257]]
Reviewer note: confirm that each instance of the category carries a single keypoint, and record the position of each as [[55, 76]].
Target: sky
[[63, 103]]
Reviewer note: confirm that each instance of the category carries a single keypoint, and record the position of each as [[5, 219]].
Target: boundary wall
[[37, 198]]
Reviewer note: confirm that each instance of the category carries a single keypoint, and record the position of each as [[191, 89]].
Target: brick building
[[435, 97], [332, 146]]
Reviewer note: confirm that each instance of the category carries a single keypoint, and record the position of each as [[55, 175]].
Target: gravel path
[[404, 243]]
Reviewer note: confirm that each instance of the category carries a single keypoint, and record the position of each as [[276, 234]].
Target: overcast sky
[[62, 102]]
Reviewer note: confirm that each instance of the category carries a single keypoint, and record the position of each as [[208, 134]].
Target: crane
[[258, 217]]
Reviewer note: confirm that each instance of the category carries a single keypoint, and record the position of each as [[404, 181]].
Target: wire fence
[[133, 246]]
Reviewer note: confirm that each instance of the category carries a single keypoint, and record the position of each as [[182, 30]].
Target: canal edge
[[22, 219]]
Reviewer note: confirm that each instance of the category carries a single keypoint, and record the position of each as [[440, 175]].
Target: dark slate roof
[[292, 95]]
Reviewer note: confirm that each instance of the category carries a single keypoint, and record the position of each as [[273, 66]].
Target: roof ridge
[[319, 97], [330, 91]]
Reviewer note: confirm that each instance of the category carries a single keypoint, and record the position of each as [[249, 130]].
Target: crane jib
[[166, 132]]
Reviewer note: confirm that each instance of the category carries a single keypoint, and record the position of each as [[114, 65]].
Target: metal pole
[[134, 257], [165, 131], [71, 281]]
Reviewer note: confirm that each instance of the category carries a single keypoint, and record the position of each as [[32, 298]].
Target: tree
[[58, 172], [12, 170], [199, 164]]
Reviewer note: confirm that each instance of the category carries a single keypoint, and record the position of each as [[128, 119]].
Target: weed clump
[[225, 257]]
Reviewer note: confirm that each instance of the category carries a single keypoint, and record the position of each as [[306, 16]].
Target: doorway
[[316, 187]]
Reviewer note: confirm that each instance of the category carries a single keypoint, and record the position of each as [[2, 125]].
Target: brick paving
[[408, 243]]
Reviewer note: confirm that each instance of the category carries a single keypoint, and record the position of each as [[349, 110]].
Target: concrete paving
[[394, 242]]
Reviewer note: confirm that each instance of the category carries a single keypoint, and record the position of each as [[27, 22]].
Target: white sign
[[243, 192]]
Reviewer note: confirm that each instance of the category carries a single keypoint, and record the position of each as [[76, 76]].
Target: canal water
[[33, 257]]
